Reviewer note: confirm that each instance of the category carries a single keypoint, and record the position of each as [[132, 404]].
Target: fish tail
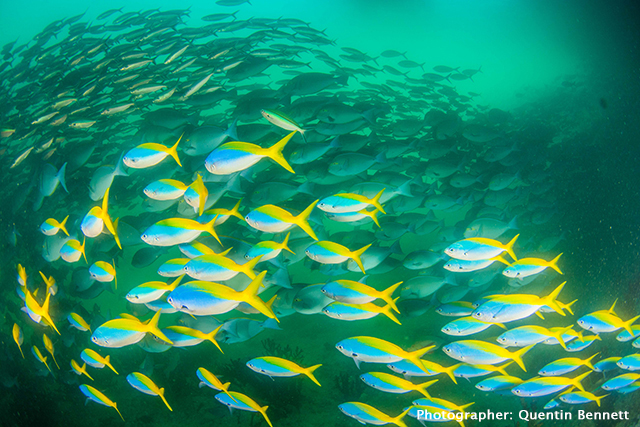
[[450, 370], [60, 177], [516, 356], [576, 382], [62, 225], [247, 267], [84, 240], [175, 283], [54, 360], [509, 247], [550, 300], [415, 356], [203, 193], [554, 264], [84, 371], [161, 394], [627, 325], [108, 363], [501, 259], [588, 364], [500, 325], [309, 372], [173, 151], [373, 215], [463, 407], [225, 388], [386, 310], [502, 368], [117, 410], [250, 296], [45, 309], [153, 328], [599, 398], [613, 306], [302, 220], [285, 242], [386, 296], [211, 336], [376, 201], [20, 348], [235, 211], [558, 335], [275, 152], [355, 255], [105, 202], [568, 306], [209, 228], [422, 388], [398, 420], [263, 411]]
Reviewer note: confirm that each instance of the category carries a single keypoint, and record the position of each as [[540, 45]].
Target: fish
[[150, 154], [267, 250], [18, 337], [209, 380], [279, 367], [38, 313], [566, 365], [606, 321], [344, 311], [283, 121], [98, 397], [196, 195], [525, 267], [174, 231], [144, 384], [630, 362], [92, 358], [236, 156], [543, 386], [51, 227], [273, 219], [369, 415], [97, 217], [504, 382], [78, 370], [104, 272], [202, 298], [165, 189], [375, 350], [480, 248], [618, 382], [48, 345], [181, 336], [348, 202], [327, 252], [210, 267], [523, 336], [242, 402], [480, 352], [578, 397], [117, 333], [40, 358], [151, 291], [467, 325], [72, 250], [392, 384]]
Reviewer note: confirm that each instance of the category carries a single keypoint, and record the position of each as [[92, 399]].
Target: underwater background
[[535, 108]]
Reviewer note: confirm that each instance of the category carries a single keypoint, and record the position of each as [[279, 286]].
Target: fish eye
[[144, 237], [448, 350], [339, 347]]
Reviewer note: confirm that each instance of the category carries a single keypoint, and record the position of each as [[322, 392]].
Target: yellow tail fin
[[235, 211], [588, 364], [202, 192], [355, 255], [386, 310], [263, 411], [422, 388], [599, 398], [576, 381], [509, 247], [153, 328], [161, 394], [558, 335], [398, 420], [116, 408], [627, 325], [173, 152], [108, 363], [275, 152], [247, 267], [516, 356], [211, 336], [502, 368], [376, 201], [47, 317], [302, 220], [250, 296], [309, 372], [550, 300], [285, 242], [415, 356], [209, 228], [554, 264], [386, 296], [62, 225]]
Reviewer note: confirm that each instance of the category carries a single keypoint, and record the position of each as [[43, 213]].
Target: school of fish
[[251, 176]]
